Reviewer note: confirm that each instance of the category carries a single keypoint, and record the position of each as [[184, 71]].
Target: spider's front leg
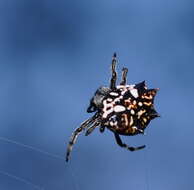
[[91, 129], [120, 143], [75, 134], [124, 76], [114, 74]]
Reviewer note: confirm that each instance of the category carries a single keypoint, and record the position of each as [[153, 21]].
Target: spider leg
[[75, 134], [102, 128], [114, 74], [91, 129], [120, 143], [124, 76]]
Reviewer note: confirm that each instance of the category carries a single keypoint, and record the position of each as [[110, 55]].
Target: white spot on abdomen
[[109, 100], [114, 94], [132, 112], [119, 108], [134, 92], [107, 112]]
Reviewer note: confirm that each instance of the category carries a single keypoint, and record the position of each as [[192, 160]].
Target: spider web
[[61, 158], [40, 151]]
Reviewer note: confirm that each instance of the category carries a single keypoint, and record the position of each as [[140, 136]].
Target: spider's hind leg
[[120, 143], [114, 74], [75, 134]]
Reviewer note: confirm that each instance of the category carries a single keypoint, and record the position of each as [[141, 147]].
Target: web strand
[[42, 152], [21, 180], [32, 148]]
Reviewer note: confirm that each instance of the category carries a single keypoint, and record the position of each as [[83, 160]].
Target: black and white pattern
[[123, 109]]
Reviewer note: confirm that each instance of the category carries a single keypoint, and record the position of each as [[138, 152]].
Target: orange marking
[[134, 129], [131, 121], [126, 119], [144, 119], [147, 104], [148, 97], [140, 113]]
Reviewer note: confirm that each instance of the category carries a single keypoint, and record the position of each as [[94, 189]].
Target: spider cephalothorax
[[123, 109]]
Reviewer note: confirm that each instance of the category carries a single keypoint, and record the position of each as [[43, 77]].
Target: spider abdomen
[[129, 109]]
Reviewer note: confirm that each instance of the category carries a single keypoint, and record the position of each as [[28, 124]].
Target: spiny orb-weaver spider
[[123, 109]]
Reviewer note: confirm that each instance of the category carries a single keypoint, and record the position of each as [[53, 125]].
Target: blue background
[[53, 56]]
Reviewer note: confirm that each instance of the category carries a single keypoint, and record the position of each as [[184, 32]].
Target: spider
[[123, 109]]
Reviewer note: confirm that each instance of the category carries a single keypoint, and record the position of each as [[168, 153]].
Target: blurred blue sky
[[53, 56]]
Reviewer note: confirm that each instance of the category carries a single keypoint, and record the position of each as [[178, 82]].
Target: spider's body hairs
[[123, 109]]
